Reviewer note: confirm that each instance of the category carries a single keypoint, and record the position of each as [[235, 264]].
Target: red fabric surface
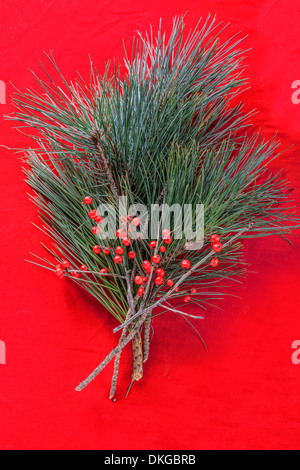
[[244, 393]]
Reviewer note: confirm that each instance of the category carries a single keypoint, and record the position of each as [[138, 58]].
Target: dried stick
[[179, 282], [147, 335], [113, 353]]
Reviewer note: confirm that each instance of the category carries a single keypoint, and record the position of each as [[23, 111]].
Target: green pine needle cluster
[[168, 131]]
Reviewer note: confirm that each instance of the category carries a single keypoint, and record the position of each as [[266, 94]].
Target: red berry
[[136, 221], [141, 291], [59, 271], [96, 230], [170, 282], [106, 251], [75, 274], [118, 259], [214, 262], [153, 244], [65, 264], [138, 280], [88, 200], [145, 280], [193, 291], [160, 272], [176, 289], [186, 298], [97, 249], [146, 264], [126, 241], [166, 233], [148, 270], [58, 266], [103, 271], [217, 247], [215, 238], [163, 249], [93, 214], [99, 219], [132, 254], [156, 259], [185, 264], [159, 281], [168, 241], [83, 267], [119, 250]]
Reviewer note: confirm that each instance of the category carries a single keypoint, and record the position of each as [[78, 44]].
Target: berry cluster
[[217, 247]]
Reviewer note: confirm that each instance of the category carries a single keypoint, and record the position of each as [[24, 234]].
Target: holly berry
[[159, 281], [126, 241], [106, 251], [75, 274], [215, 238], [160, 272], [166, 233], [93, 214], [103, 271], [214, 262], [217, 247], [119, 250], [138, 280], [97, 249], [88, 200], [187, 298], [118, 259], [153, 244], [119, 232], [170, 282], [156, 259], [136, 221], [131, 254], [145, 280], [83, 267], [163, 249], [141, 291], [65, 264], [185, 264], [193, 291], [99, 219], [146, 264], [59, 271], [168, 241], [176, 289], [96, 230]]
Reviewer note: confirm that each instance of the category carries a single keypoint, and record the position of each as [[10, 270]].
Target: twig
[[180, 281], [112, 354]]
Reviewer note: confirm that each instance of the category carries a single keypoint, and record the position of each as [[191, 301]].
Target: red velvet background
[[243, 393]]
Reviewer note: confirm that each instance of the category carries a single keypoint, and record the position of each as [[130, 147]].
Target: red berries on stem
[[119, 250], [118, 259], [65, 264], [93, 214], [185, 264], [141, 291], [215, 238], [159, 281], [88, 200], [95, 230], [217, 247], [138, 280], [97, 249], [214, 262], [156, 259]]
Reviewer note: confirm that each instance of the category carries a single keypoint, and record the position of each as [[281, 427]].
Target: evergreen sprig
[[161, 129]]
